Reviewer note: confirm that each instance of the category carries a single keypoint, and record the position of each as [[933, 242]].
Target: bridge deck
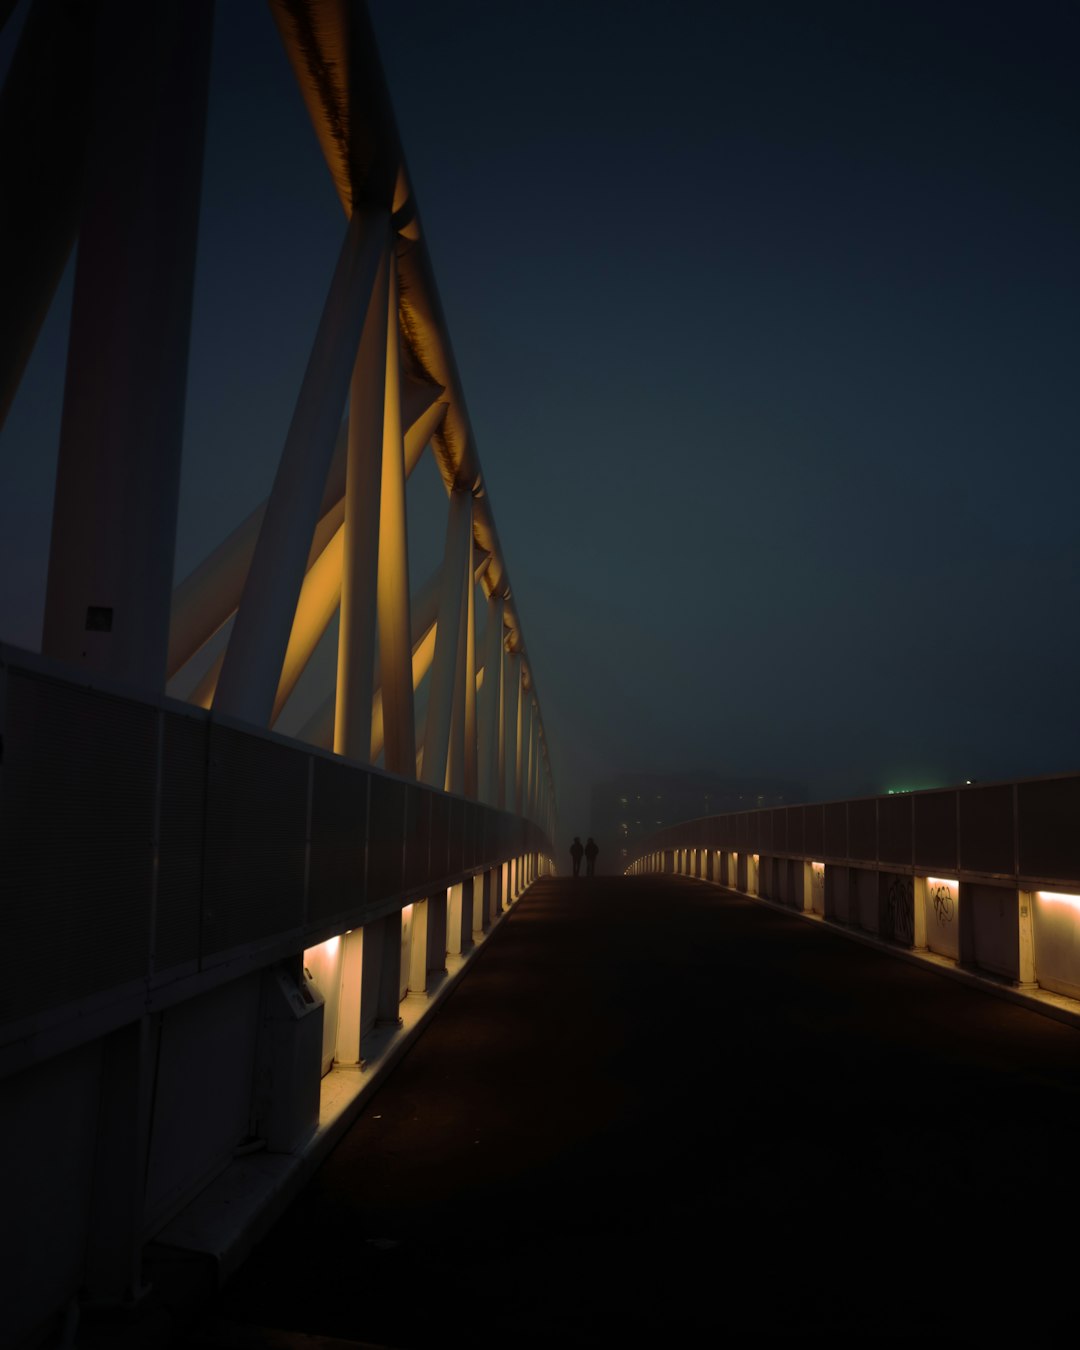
[[655, 1107]]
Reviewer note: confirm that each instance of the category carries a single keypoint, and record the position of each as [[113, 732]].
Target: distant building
[[630, 806]]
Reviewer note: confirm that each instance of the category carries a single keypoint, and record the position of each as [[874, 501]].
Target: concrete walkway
[[655, 1111]]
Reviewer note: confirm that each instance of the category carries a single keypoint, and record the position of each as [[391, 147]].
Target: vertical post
[[395, 627], [1026, 973], [471, 784], [114, 1249], [109, 586], [511, 699], [388, 999], [457, 556], [349, 1008], [519, 732], [360, 561], [418, 950], [455, 760], [918, 904], [490, 710]]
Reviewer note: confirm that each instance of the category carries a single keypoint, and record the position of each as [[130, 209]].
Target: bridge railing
[[983, 875], [208, 927]]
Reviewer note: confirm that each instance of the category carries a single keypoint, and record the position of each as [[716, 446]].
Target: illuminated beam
[[471, 785], [456, 556], [511, 698], [399, 726], [208, 597], [490, 707], [320, 596], [319, 727], [518, 733], [260, 636], [368, 400]]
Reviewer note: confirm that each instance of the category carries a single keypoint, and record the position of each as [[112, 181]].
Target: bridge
[[261, 823]]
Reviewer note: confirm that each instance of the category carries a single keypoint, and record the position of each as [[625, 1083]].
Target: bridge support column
[[918, 905], [114, 1246], [418, 947], [1025, 908], [459, 920], [118, 472], [388, 1000], [482, 903]]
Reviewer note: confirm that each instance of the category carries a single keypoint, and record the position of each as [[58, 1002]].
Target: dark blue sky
[[767, 317]]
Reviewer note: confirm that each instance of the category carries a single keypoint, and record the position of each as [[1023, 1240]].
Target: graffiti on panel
[[900, 911], [944, 905]]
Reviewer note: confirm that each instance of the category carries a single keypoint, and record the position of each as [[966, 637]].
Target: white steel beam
[[457, 555], [355, 686], [395, 645], [118, 473], [489, 712], [253, 662]]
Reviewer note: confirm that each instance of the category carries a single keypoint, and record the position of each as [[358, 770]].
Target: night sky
[[767, 318]]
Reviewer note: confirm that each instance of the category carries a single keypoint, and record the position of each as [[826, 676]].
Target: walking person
[[575, 853], [591, 851]]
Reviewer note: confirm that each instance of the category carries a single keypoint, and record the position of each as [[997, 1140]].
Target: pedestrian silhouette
[[575, 852], [590, 856]]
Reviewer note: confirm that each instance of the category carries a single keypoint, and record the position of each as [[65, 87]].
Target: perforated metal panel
[[76, 856], [256, 833], [185, 748], [338, 839]]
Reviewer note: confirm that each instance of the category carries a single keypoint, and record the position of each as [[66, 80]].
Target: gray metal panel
[[386, 823], [1049, 822], [794, 831], [836, 843], [440, 835], [418, 807], [814, 831], [894, 828], [862, 829], [256, 837], [76, 847], [457, 835], [986, 829], [935, 829], [338, 838], [185, 747]]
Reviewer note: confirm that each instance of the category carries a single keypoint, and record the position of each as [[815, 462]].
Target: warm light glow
[[406, 913], [1059, 898], [327, 950], [818, 866], [942, 881]]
